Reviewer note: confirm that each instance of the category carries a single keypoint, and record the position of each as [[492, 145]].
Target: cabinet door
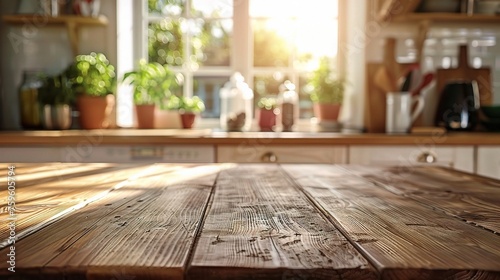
[[143, 153], [30, 154], [281, 154], [457, 157], [488, 161]]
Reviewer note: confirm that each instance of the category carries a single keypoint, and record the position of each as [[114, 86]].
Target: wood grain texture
[[47, 192], [470, 198], [404, 239], [144, 230], [260, 226]]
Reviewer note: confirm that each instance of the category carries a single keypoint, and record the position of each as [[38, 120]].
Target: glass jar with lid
[[236, 104], [288, 102], [29, 103]]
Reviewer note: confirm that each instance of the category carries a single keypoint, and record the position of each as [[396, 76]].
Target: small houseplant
[[151, 83], [327, 92], [189, 107], [267, 113], [93, 80], [57, 99]]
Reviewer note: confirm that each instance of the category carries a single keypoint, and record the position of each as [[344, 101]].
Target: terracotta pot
[[145, 116], [187, 119], [267, 120], [92, 111], [326, 112], [167, 119]]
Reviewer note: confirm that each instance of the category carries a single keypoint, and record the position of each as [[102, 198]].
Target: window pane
[[272, 42], [165, 42], [211, 42], [314, 41], [305, 104], [268, 85], [207, 88], [213, 8], [166, 7], [294, 8]]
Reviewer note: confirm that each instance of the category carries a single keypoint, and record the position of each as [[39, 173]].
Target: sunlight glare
[[311, 27]]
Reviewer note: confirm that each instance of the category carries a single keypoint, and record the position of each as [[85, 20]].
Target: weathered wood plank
[[260, 226], [46, 192], [144, 230], [468, 197], [404, 239]]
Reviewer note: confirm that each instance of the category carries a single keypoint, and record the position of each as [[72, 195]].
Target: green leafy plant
[[56, 90], [267, 103], [92, 74], [325, 87], [191, 105], [152, 83]]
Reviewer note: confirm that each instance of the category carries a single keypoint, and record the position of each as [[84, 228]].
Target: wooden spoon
[[385, 80]]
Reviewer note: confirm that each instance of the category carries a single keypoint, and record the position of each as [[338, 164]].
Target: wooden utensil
[[428, 78], [382, 78], [465, 72]]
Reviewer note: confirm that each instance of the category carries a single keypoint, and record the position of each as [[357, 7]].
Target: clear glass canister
[[29, 103], [288, 102], [236, 105]]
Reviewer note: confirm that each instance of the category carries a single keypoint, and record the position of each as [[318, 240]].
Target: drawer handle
[[426, 157], [269, 157]]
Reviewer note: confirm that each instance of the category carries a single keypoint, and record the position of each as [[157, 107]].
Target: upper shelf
[[64, 19], [71, 22], [404, 11], [447, 17]]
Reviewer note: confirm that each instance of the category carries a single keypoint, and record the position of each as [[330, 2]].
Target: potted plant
[[327, 92], [57, 99], [267, 113], [189, 107], [151, 83], [93, 81]]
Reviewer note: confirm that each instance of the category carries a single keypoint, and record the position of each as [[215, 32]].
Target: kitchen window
[[268, 41]]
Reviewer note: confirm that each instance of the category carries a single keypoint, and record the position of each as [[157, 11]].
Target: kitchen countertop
[[261, 221], [209, 137]]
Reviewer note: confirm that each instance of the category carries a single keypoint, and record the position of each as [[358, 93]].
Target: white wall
[[45, 47]]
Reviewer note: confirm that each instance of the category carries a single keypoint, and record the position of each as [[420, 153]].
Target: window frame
[[241, 48]]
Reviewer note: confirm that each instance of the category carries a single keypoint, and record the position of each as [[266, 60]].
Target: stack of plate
[[491, 120]]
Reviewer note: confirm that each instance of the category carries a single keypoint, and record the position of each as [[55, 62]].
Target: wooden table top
[[258, 221]]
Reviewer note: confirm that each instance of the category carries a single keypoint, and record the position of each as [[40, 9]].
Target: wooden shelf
[[72, 24], [447, 17], [405, 11]]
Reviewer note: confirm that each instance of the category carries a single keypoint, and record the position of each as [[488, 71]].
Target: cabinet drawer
[[29, 154], [128, 154], [488, 161], [281, 154], [457, 157]]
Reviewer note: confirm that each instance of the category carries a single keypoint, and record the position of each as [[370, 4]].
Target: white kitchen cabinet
[[29, 154], [130, 154], [281, 154], [88, 152], [457, 157], [488, 161]]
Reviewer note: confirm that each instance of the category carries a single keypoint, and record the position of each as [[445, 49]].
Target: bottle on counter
[[288, 102], [29, 103], [236, 104]]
